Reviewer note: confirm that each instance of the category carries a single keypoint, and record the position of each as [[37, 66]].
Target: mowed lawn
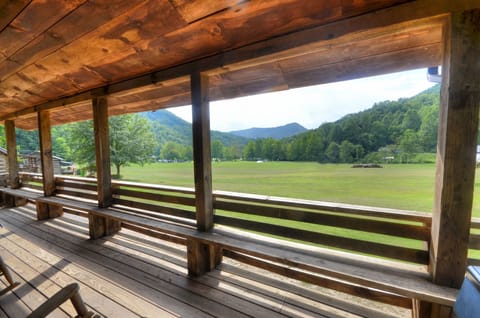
[[394, 186]]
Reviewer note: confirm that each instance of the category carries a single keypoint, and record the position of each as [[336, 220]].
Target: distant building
[[34, 164], [3, 161], [478, 154]]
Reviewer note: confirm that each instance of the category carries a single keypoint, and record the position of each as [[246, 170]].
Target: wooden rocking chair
[[68, 292], [5, 272]]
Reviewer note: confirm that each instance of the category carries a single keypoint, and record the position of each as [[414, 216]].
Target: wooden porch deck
[[132, 275]]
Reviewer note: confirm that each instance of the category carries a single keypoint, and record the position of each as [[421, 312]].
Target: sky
[[310, 106]]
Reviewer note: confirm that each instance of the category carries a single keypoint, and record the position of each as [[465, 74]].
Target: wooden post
[[457, 141], [45, 211], [201, 257], [100, 226], [13, 178]]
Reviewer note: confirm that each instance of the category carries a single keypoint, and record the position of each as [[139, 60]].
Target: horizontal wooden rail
[[387, 233], [328, 206], [474, 244], [31, 180]]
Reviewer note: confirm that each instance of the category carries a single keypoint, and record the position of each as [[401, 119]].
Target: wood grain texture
[[11, 139], [102, 148], [201, 151], [46, 153], [120, 270], [418, 256], [457, 142], [129, 38]]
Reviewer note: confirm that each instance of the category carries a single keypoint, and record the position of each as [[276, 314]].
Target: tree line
[[390, 129]]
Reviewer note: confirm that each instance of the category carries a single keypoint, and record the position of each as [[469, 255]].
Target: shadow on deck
[[132, 275]]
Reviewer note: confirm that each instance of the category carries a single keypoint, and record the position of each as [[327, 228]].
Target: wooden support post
[[457, 141], [46, 157], [201, 151], [46, 152], [201, 257], [99, 226], [13, 178]]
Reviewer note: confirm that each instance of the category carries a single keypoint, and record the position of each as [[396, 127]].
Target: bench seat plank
[[27, 194]]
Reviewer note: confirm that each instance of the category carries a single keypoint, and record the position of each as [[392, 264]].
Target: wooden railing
[[387, 233], [474, 252]]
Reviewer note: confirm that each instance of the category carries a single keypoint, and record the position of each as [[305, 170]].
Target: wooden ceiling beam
[[380, 20], [10, 9]]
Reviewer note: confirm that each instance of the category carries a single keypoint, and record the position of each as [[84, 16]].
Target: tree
[[131, 141], [171, 151], [249, 151], [409, 143], [82, 143], [346, 152], [217, 149], [333, 152], [411, 120]]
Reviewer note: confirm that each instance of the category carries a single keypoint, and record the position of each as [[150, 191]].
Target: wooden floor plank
[[246, 293], [13, 306], [188, 303], [2, 313], [57, 268], [133, 275], [115, 300], [288, 291], [221, 303], [31, 281]]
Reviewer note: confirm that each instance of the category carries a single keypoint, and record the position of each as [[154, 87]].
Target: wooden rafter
[[401, 31]]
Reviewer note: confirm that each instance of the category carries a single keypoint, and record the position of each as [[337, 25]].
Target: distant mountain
[[280, 132], [170, 128]]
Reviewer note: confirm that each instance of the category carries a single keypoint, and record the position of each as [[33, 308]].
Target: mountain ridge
[[278, 132]]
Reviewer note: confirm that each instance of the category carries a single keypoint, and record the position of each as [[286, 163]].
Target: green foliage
[[408, 126], [131, 141], [169, 128], [82, 144]]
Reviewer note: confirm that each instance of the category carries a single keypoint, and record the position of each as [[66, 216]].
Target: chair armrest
[[68, 292]]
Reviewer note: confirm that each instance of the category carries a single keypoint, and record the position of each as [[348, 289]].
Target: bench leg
[[202, 258], [423, 309], [47, 211], [100, 226], [11, 201]]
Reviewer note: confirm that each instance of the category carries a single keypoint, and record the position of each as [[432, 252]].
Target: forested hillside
[[395, 129]]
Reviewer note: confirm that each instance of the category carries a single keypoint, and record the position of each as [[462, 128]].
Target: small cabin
[[3, 161], [34, 164], [3, 166]]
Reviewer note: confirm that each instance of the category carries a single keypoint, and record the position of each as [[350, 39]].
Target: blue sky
[[310, 106]]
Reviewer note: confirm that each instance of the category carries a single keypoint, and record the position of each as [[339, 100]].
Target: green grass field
[[394, 186], [409, 187]]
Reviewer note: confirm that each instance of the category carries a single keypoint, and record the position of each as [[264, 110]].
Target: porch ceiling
[[52, 49]]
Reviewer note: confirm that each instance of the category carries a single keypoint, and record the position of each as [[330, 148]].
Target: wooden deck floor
[[132, 275]]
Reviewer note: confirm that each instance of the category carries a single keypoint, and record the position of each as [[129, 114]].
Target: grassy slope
[[394, 186]]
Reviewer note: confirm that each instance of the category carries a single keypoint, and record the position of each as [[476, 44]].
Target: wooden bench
[[17, 197], [324, 267]]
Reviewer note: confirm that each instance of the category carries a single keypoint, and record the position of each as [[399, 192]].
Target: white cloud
[[310, 106]]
